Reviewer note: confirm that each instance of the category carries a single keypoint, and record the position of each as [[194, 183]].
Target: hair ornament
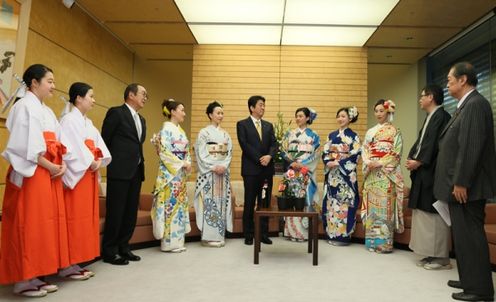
[[390, 106], [313, 114], [352, 112]]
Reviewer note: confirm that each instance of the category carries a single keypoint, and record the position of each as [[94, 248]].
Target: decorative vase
[[279, 168], [284, 203], [299, 203]]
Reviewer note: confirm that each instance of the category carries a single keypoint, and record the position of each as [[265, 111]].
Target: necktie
[[259, 129], [137, 122]]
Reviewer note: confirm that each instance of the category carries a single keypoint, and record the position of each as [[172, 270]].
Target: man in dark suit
[[258, 144], [430, 234], [466, 178], [124, 132]]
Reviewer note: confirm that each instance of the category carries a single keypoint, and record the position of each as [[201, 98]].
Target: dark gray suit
[[467, 158]]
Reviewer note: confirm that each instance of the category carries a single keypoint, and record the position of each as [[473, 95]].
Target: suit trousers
[[472, 252], [122, 209], [253, 195]]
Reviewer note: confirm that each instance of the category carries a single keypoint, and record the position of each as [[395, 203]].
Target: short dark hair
[[211, 107], [346, 109], [170, 104], [436, 91], [252, 101], [78, 89], [465, 69], [35, 72], [133, 87], [306, 112]]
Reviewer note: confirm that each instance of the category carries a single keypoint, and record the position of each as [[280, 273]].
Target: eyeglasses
[[144, 94], [422, 95]]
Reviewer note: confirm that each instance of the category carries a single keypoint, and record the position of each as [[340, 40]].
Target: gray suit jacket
[[467, 154]]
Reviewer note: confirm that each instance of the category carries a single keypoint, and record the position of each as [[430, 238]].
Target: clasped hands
[[412, 164], [57, 170], [265, 160]]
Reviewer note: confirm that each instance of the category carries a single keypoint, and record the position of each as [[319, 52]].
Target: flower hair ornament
[[165, 110], [390, 107], [313, 114], [352, 112]]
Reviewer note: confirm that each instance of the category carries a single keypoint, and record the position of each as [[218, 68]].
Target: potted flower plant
[[292, 189], [280, 128]]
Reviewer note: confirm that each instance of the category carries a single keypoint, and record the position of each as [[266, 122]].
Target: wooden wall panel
[[324, 78], [80, 35]]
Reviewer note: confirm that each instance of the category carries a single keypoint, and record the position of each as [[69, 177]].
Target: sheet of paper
[[443, 210]]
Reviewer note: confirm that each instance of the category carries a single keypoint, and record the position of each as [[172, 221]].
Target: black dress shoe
[[471, 297], [130, 256], [115, 260], [266, 240], [455, 284], [249, 241]]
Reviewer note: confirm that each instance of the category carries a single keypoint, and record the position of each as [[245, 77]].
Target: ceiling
[[411, 30]]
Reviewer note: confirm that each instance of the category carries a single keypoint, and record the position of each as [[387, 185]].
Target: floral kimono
[[301, 146], [382, 207], [341, 197], [213, 193], [169, 212]]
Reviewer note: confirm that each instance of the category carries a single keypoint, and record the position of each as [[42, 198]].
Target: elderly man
[[466, 178]]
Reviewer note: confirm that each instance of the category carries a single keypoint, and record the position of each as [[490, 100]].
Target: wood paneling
[[324, 78], [80, 35], [139, 10]]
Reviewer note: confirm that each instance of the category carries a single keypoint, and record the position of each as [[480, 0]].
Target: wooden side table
[[313, 217]]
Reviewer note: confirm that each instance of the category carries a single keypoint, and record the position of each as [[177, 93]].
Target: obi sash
[[380, 148], [97, 153], [55, 149], [218, 151]]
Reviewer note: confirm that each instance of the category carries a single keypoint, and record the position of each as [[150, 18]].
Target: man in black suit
[[466, 178], [430, 234], [124, 132], [258, 144]]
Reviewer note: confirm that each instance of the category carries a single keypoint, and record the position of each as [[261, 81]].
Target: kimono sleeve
[[26, 141], [203, 158], [171, 162]]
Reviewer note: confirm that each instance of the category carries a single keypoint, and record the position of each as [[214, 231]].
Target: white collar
[[463, 98], [133, 112]]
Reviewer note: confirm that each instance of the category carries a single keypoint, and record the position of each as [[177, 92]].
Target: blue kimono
[[341, 197]]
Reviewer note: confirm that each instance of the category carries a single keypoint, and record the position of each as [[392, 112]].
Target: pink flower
[[290, 173], [282, 187]]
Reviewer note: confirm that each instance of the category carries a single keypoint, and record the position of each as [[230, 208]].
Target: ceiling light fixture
[[68, 3], [299, 22]]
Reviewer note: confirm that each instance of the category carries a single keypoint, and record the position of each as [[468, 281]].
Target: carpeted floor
[[285, 273]]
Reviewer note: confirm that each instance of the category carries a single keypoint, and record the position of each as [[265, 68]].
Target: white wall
[[399, 83]]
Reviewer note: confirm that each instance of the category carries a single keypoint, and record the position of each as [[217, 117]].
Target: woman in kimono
[[341, 198], [34, 228], [169, 213], [88, 154], [382, 207], [299, 149], [213, 206]]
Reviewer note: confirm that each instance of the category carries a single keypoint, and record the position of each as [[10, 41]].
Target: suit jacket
[[252, 148], [466, 152], [422, 191], [121, 137]]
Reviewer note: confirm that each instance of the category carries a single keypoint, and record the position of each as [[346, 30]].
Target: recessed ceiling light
[[328, 36], [237, 34]]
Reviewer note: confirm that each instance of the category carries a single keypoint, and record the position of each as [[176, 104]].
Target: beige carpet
[[285, 273]]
